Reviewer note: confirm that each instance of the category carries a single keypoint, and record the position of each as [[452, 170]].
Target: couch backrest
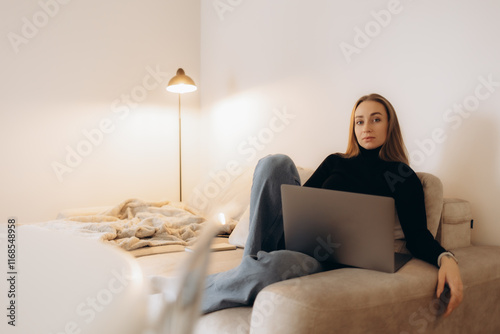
[[237, 198], [433, 193]]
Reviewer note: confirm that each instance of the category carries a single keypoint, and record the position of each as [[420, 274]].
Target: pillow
[[305, 174], [232, 199], [433, 197], [240, 233]]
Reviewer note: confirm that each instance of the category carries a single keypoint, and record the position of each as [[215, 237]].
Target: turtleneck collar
[[370, 155]]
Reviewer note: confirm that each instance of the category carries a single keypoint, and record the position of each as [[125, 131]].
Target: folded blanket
[[134, 224]]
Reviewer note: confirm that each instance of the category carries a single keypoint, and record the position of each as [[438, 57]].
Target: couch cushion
[[455, 229], [433, 192], [364, 301], [229, 321]]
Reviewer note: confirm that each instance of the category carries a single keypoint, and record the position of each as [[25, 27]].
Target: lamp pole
[[180, 152], [180, 83]]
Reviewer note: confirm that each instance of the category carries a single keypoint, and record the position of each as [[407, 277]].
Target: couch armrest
[[454, 228]]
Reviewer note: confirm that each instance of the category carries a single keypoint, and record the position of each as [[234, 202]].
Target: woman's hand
[[449, 273]]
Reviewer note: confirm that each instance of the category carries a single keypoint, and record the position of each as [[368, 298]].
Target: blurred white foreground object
[[174, 303], [67, 284]]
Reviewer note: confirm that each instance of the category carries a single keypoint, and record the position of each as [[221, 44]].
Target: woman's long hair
[[394, 148]]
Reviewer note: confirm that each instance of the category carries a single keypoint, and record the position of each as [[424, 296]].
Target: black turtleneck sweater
[[368, 174]]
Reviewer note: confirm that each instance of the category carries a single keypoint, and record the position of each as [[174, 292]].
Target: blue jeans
[[265, 261]]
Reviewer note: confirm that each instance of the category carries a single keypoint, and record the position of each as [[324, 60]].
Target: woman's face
[[370, 124]]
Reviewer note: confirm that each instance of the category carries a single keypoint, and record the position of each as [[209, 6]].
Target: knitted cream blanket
[[134, 224]]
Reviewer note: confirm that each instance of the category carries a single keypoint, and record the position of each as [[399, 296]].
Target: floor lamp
[[180, 84]]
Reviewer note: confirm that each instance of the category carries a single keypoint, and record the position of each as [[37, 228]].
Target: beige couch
[[356, 300], [364, 301], [350, 300]]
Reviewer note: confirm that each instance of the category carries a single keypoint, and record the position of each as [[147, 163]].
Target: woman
[[375, 163]]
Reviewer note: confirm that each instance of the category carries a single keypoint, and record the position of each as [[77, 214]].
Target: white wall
[[67, 67], [273, 79], [260, 59]]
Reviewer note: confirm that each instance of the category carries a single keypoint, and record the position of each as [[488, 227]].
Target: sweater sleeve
[[322, 172], [410, 206]]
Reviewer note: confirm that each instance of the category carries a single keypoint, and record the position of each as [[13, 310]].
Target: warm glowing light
[[181, 88], [181, 83], [222, 218]]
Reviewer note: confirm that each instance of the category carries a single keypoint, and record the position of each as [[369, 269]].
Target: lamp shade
[[181, 83]]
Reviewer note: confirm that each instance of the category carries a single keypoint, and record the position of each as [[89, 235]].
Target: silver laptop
[[337, 227]]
